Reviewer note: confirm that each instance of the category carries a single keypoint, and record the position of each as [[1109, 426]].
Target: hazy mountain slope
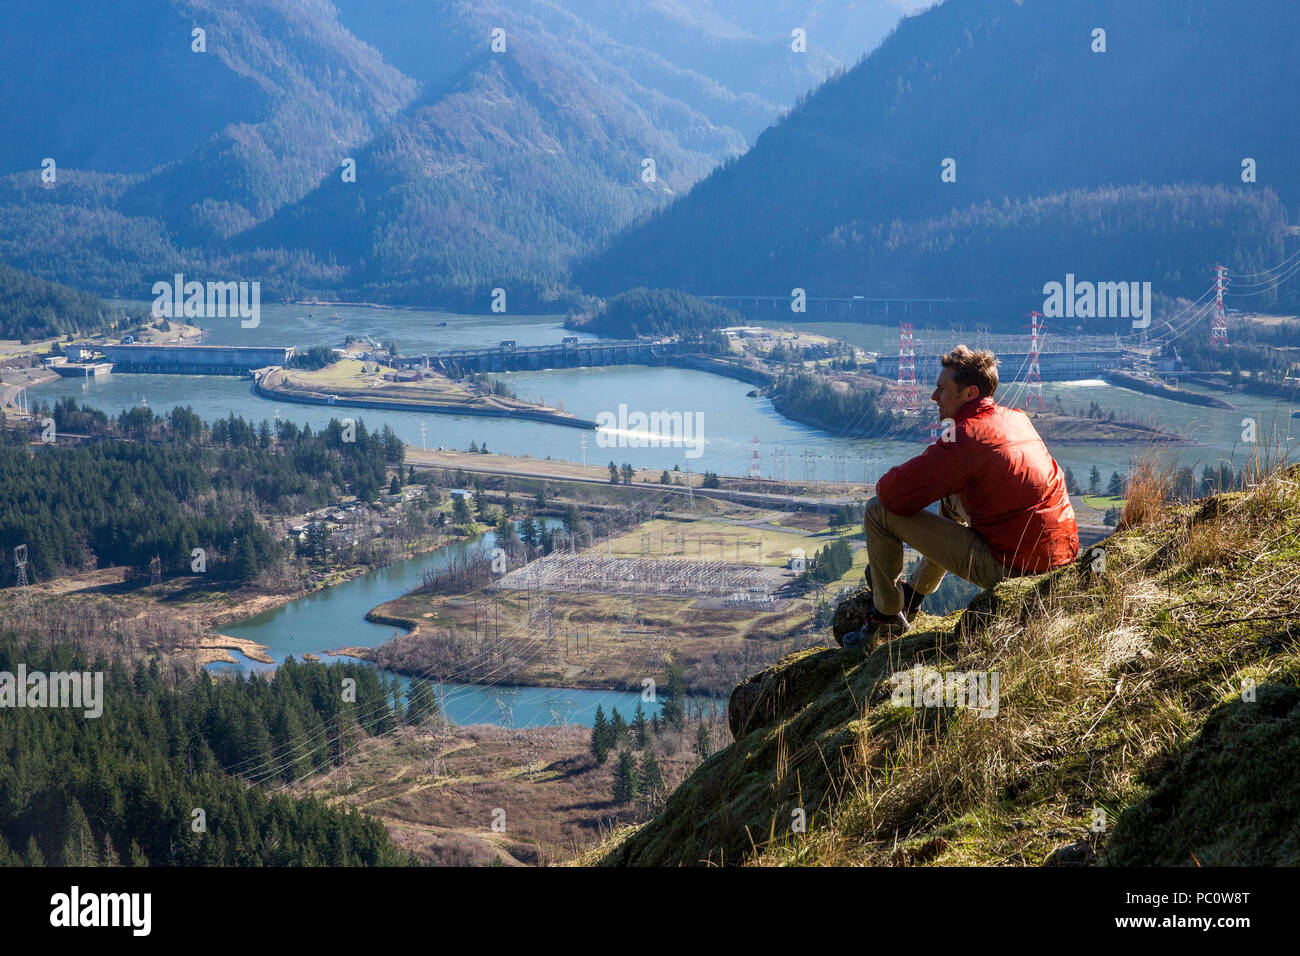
[[94, 89], [212, 141], [1015, 95], [474, 168], [528, 157], [326, 94]]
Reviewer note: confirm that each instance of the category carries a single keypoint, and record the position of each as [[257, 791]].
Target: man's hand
[[951, 509]]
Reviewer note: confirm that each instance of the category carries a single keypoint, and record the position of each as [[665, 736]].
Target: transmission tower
[[20, 565], [754, 470], [1034, 379], [840, 467], [779, 472], [810, 457], [906, 399], [1219, 323]]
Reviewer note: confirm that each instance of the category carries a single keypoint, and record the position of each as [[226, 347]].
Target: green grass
[[1103, 502], [1161, 695]]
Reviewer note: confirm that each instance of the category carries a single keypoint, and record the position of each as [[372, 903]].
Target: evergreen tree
[[528, 532], [626, 785], [1116, 485], [1071, 486], [703, 741], [599, 734], [651, 776], [613, 473], [422, 701], [640, 727], [79, 845], [674, 703], [33, 856], [618, 729], [109, 857], [507, 539], [395, 486], [1094, 480]]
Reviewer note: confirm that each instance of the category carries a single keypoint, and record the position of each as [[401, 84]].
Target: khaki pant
[[944, 542]]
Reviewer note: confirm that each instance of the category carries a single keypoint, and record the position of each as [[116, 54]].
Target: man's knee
[[873, 512]]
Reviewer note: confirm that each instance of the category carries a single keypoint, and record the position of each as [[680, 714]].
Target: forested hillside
[[32, 308], [1063, 159], [166, 774], [177, 487], [654, 312]]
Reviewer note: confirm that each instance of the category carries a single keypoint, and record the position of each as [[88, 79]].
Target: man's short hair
[[970, 367]]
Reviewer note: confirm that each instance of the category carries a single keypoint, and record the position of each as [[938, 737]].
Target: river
[[731, 419], [335, 618]]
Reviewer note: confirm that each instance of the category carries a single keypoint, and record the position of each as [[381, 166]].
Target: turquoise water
[[335, 618], [731, 419]]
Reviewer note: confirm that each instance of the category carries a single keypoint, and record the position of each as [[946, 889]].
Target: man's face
[[949, 396]]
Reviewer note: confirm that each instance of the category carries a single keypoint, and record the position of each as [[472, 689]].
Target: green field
[[1103, 502]]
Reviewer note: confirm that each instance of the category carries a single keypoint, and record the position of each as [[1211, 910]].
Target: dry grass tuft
[[1149, 485]]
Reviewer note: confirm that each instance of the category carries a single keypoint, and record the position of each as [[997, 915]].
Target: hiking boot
[[878, 629]]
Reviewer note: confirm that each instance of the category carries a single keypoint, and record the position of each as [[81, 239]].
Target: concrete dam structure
[[507, 357], [183, 359]]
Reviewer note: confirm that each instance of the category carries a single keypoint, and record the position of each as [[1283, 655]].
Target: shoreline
[[281, 393], [257, 604]]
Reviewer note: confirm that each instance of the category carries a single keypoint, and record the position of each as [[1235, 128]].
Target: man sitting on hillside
[[1005, 510]]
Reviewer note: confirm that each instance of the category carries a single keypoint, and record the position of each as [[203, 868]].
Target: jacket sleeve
[[935, 473]]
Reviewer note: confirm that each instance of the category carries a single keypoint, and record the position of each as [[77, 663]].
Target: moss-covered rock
[[796, 737]]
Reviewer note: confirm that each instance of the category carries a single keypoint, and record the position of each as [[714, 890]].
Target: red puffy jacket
[[1010, 486]]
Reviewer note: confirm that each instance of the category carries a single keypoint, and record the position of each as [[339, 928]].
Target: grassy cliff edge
[[1147, 713]]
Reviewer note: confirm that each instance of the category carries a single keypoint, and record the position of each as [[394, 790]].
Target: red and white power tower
[[907, 398], [1219, 322], [1033, 378], [754, 470]]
